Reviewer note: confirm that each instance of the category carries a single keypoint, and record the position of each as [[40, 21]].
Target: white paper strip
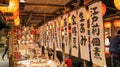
[[74, 40], [59, 38], [97, 34], [83, 34], [51, 35], [66, 37]]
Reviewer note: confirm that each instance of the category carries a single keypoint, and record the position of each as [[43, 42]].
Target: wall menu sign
[[74, 36], [97, 34], [83, 34]]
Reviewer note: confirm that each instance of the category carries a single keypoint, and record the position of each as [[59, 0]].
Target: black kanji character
[[81, 17], [95, 29], [96, 53], [82, 29], [73, 20], [96, 41], [74, 43], [83, 40]]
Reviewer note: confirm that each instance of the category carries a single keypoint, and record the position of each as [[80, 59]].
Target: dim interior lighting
[[117, 4]]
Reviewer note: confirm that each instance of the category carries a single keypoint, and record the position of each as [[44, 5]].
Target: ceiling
[[38, 12]]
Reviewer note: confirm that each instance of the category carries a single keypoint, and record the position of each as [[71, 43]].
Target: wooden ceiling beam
[[49, 5], [30, 16], [37, 14]]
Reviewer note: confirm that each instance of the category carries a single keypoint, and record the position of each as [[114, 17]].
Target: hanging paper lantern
[[107, 24], [117, 4], [17, 21], [69, 19], [103, 9], [87, 14], [117, 23], [61, 23]]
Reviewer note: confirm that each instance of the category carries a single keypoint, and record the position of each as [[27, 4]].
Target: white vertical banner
[[97, 34], [48, 34], [55, 33], [66, 37], [42, 35], [59, 38], [51, 35], [45, 35], [74, 33], [83, 34]]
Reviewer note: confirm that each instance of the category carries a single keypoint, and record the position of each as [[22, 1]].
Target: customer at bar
[[115, 49]]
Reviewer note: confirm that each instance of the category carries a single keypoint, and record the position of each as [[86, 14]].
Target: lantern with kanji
[[116, 23], [107, 24], [117, 4]]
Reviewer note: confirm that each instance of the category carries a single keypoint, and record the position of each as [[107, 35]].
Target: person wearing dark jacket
[[59, 56], [5, 51], [43, 50], [114, 49]]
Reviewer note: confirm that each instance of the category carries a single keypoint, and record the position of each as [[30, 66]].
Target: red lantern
[[18, 36], [69, 30], [117, 23], [107, 24], [117, 4], [103, 9], [32, 31]]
